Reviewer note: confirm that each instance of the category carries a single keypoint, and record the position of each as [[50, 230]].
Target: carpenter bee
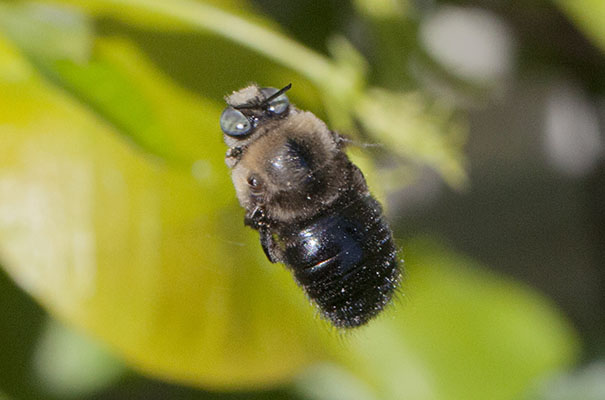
[[310, 205]]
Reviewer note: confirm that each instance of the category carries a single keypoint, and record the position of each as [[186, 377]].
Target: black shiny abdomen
[[345, 259]]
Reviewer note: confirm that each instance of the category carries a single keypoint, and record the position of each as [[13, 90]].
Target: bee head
[[250, 107]]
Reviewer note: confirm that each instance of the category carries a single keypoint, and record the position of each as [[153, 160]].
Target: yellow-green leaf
[[409, 126], [589, 15]]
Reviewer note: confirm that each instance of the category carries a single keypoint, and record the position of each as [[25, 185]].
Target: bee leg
[[233, 156], [255, 219], [340, 140], [272, 250]]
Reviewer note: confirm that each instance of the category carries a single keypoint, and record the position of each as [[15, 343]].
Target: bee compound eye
[[277, 105], [234, 122]]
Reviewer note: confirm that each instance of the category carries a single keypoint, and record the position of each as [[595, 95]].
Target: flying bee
[[310, 205]]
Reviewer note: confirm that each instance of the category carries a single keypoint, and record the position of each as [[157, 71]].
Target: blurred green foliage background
[[126, 269]]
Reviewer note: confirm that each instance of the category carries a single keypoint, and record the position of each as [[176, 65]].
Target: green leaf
[[420, 132], [142, 103], [589, 15], [148, 17], [245, 31]]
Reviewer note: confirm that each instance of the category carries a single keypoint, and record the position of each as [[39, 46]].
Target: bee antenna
[[267, 100], [278, 93]]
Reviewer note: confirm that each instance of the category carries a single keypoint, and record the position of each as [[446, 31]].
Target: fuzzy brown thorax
[[288, 168]]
